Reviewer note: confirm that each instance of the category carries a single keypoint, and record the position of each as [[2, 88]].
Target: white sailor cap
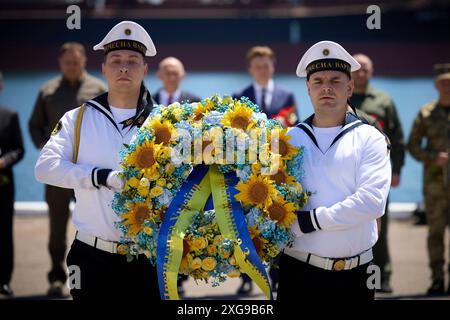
[[127, 35], [326, 55]]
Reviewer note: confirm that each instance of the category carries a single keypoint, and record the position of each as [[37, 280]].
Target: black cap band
[[328, 64], [125, 45]]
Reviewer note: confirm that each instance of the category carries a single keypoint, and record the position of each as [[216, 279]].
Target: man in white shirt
[[83, 154], [347, 168]]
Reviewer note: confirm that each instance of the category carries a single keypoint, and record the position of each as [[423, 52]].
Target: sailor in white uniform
[[347, 168], [83, 154]]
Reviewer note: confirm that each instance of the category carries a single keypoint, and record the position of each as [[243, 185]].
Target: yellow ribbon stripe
[[228, 230], [196, 203]]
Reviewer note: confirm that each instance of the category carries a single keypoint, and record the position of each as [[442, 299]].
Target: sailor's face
[[329, 89], [124, 69]]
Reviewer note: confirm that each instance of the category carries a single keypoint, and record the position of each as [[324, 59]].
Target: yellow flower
[[177, 113], [212, 249], [218, 239], [148, 254], [232, 260], [201, 110], [240, 117], [122, 249], [258, 241], [234, 273], [164, 153], [135, 218], [156, 191], [144, 158], [163, 131], [148, 231], [256, 191], [225, 254], [282, 212], [143, 191], [281, 144], [209, 264], [199, 243], [169, 186], [282, 177], [169, 168], [161, 182], [133, 182], [196, 263]]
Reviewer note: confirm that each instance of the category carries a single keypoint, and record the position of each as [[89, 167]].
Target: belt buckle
[[338, 264]]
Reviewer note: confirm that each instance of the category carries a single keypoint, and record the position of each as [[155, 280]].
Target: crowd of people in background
[[75, 85]]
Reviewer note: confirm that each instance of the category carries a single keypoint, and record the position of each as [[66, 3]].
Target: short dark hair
[[260, 51], [68, 46]]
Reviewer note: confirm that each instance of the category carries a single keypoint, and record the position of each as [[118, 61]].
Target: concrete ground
[[410, 277]]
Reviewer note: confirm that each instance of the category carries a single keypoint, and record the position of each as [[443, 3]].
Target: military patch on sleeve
[[57, 128]]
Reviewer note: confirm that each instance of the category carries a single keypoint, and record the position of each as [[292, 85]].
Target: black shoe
[[5, 290], [385, 287], [437, 288], [56, 290]]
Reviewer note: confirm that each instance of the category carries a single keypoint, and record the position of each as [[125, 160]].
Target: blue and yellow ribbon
[[192, 197]]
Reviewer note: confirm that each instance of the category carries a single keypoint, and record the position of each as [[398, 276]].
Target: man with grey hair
[[171, 72]]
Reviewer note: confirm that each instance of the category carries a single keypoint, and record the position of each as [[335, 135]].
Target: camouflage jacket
[[433, 124], [381, 107]]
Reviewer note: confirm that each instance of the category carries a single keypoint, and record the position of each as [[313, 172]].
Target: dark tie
[[170, 100], [263, 100]]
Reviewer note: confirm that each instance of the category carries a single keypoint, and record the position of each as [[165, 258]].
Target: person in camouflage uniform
[[433, 124], [381, 108]]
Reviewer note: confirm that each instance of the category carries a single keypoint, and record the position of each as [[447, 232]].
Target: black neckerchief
[[351, 121], [144, 106]]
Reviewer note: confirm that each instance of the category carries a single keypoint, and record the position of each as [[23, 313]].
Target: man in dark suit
[[275, 101], [171, 72], [11, 152]]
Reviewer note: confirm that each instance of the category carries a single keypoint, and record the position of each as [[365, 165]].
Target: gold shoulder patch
[[57, 128]]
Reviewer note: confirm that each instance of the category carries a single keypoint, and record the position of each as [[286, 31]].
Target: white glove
[[114, 181]]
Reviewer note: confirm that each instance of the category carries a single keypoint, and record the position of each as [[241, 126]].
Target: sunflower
[[285, 149], [239, 118], [200, 110], [134, 219], [163, 131], [144, 158], [282, 177], [258, 241], [282, 212], [257, 190]]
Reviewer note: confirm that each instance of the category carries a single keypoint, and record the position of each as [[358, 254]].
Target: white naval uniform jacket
[[100, 143], [350, 183]]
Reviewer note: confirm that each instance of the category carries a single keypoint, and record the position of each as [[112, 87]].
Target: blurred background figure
[[433, 125], [11, 152], [171, 72], [275, 101], [59, 95], [380, 106]]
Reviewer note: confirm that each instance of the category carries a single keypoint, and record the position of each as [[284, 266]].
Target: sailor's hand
[[115, 181]]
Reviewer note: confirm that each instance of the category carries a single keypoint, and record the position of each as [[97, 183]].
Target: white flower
[[165, 198]]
